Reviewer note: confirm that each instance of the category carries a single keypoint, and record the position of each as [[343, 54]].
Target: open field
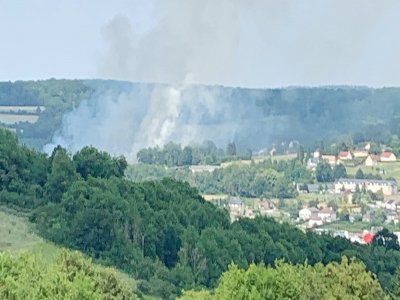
[[210, 197], [351, 227], [258, 159], [284, 157], [9, 119], [278, 157], [26, 109], [15, 233], [392, 169], [236, 162]]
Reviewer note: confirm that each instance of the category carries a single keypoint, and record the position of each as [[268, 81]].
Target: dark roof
[[235, 200], [313, 188]]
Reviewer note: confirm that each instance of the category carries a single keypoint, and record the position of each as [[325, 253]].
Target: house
[[235, 203], [316, 154], [367, 217], [308, 212], [355, 238], [360, 153], [345, 155], [372, 160], [302, 188], [388, 156], [315, 221], [327, 215], [367, 146], [392, 205], [330, 159], [315, 188], [312, 163], [392, 216], [387, 187], [237, 209], [266, 207]]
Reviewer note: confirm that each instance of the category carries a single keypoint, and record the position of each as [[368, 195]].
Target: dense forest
[[251, 118], [265, 179], [175, 155], [161, 232]]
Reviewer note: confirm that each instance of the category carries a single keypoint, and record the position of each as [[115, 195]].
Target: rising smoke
[[214, 42], [153, 115]]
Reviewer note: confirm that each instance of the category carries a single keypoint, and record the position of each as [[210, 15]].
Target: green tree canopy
[[71, 276]]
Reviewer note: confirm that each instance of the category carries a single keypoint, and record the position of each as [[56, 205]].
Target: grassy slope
[[16, 235], [392, 169]]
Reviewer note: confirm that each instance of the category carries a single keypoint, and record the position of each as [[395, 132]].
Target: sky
[[249, 43]]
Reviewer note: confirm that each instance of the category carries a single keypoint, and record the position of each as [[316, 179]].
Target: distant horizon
[[205, 84]]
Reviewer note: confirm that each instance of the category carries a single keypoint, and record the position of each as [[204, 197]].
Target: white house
[[392, 205], [360, 153], [315, 221], [330, 159], [308, 212], [388, 156], [235, 203], [372, 160], [392, 216], [387, 187], [327, 215], [345, 155]]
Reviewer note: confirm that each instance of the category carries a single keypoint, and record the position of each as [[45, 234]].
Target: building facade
[[387, 187]]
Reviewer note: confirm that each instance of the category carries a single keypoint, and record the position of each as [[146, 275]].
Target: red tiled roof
[[368, 237], [344, 153], [386, 154]]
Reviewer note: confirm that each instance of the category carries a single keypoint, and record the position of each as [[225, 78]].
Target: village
[[353, 208]]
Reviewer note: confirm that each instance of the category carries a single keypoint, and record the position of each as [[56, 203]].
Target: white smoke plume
[[125, 122], [215, 42]]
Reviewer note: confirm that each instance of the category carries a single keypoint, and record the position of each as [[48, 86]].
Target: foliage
[[25, 276], [344, 280], [174, 155], [163, 232], [91, 162], [339, 171], [265, 179], [324, 172], [57, 96], [386, 239], [364, 114]]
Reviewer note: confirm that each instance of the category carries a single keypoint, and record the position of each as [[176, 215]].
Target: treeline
[[269, 178], [325, 173], [344, 280], [175, 155], [162, 232], [57, 96], [260, 116]]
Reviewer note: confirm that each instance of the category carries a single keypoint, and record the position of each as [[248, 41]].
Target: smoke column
[[233, 42]]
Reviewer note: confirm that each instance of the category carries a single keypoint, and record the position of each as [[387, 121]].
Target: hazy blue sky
[[247, 43]]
